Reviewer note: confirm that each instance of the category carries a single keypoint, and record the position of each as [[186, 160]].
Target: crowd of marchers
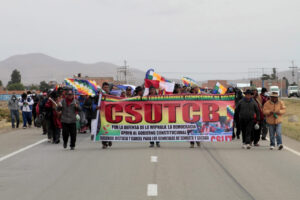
[[62, 112]]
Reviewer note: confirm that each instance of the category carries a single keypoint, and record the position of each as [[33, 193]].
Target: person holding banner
[[195, 90], [138, 91], [247, 110], [68, 109], [152, 92], [105, 88]]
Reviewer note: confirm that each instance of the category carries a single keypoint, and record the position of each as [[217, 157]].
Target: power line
[[293, 68]]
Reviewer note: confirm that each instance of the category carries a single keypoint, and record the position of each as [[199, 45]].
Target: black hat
[[263, 90], [248, 91]]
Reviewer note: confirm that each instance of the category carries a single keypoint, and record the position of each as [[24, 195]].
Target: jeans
[[275, 129], [14, 116], [27, 117]]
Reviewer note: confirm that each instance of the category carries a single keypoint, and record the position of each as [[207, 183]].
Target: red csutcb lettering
[[134, 114], [157, 113], [210, 112], [109, 113], [186, 109], [172, 111]]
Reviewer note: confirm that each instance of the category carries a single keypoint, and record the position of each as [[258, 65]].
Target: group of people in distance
[[255, 114], [60, 110]]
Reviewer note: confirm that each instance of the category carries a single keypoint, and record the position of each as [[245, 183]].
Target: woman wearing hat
[[274, 109]]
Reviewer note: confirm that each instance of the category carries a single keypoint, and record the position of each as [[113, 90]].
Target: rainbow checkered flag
[[188, 82], [219, 89], [157, 81], [82, 87]]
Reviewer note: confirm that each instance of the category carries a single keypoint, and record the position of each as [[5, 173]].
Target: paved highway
[[134, 171]]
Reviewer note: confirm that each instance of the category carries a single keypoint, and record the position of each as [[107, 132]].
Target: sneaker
[[280, 147], [65, 145], [157, 145], [151, 146], [257, 145], [109, 143], [233, 137], [263, 138], [72, 148], [49, 140], [271, 147], [248, 146], [104, 146], [192, 146], [198, 144], [24, 127], [244, 146]]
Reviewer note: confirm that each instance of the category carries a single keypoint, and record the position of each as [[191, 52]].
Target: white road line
[[288, 148], [21, 150], [152, 190], [153, 159]]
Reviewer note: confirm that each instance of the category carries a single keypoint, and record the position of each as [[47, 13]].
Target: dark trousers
[[69, 130], [44, 125], [52, 131], [238, 129], [155, 142], [256, 134], [247, 130], [264, 129], [14, 117], [50, 128]]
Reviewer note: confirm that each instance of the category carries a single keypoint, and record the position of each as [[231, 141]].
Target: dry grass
[[291, 129], [4, 115]]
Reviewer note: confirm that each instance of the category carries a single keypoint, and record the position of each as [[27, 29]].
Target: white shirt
[[26, 105]]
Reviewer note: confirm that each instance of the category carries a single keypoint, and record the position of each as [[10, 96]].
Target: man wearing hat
[[273, 110], [247, 111]]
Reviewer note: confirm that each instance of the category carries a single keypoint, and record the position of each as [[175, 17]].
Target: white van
[[274, 89], [293, 91]]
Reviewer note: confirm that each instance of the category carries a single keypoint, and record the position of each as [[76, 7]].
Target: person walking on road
[[68, 109], [26, 103], [274, 109], [264, 98], [247, 110], [257, 129], [13, 105]]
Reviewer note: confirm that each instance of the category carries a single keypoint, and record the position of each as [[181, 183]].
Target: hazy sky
[[204, 39]]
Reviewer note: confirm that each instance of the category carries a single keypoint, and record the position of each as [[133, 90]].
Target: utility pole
[[122, 73], [293, 68]]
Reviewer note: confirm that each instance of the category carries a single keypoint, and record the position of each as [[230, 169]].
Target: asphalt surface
[[214, 171]]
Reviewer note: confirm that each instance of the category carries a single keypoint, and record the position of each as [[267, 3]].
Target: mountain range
[[37, 67]]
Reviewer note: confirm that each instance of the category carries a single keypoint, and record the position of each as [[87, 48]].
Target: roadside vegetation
[[292, 128]]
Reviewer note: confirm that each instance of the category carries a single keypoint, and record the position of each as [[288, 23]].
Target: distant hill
[[38, 67]]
